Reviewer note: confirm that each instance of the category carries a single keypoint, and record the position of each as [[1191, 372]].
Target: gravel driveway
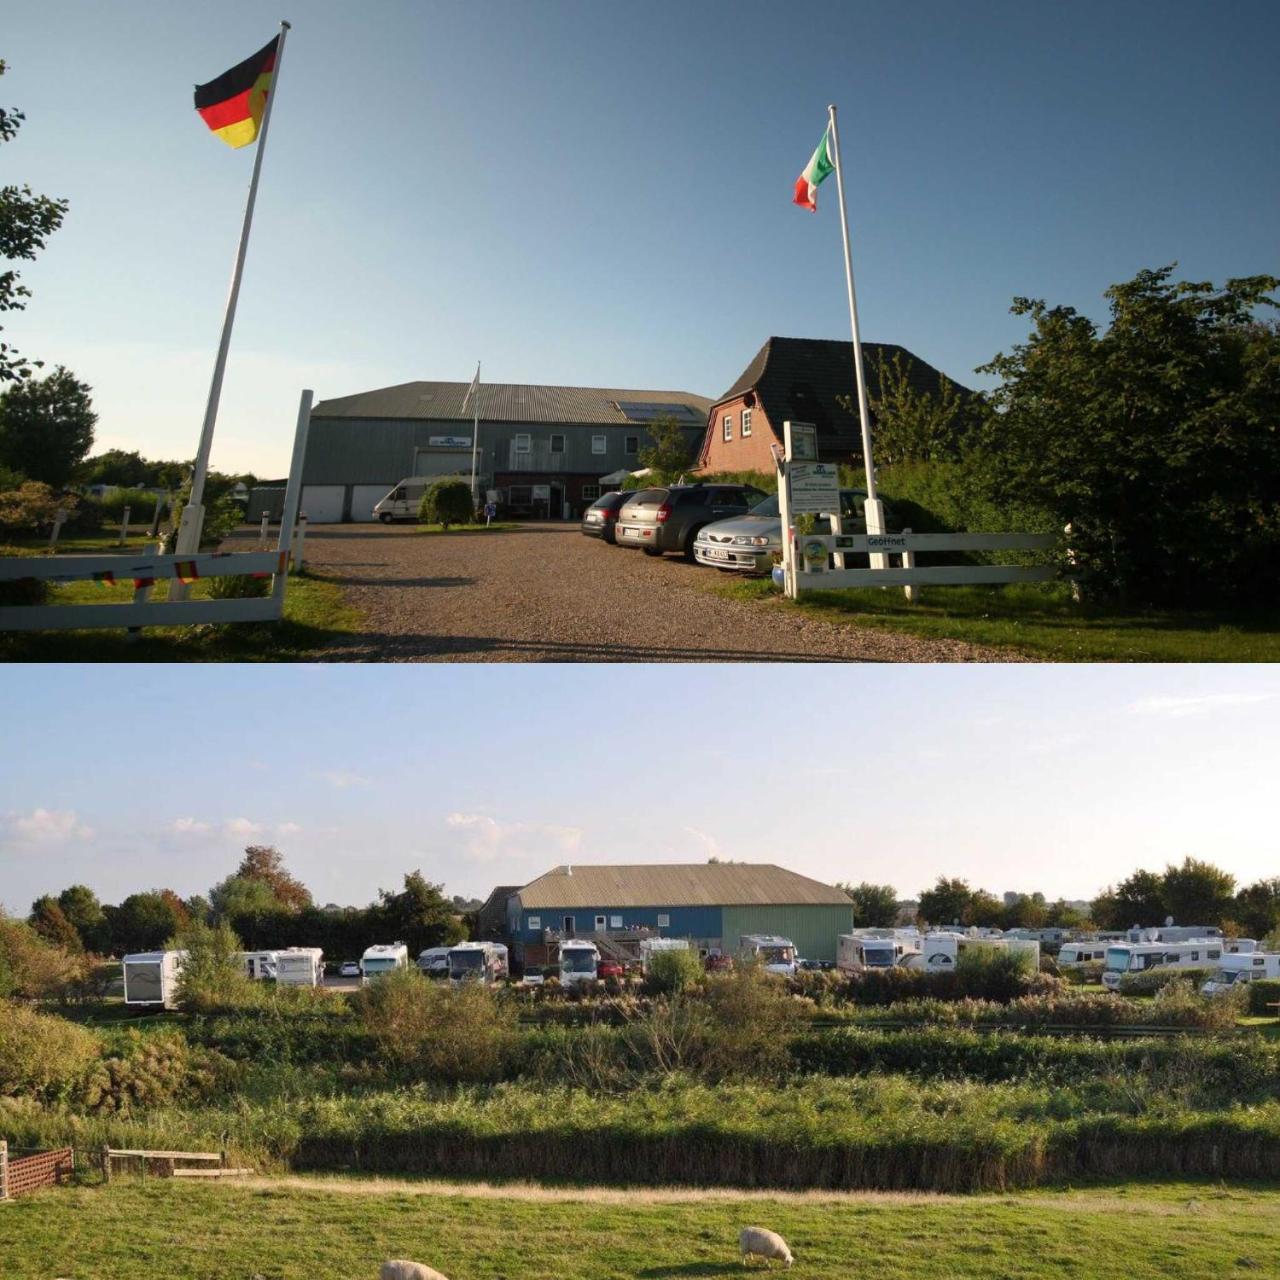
[[544, 593]]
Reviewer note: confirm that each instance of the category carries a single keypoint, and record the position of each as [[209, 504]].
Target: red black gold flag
[[232, 105]]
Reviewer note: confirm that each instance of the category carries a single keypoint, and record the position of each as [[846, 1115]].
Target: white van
[[403, 501], [1241, 967], [875, 948], [579, 962], [775, 954], [383, 958], [434, 962]]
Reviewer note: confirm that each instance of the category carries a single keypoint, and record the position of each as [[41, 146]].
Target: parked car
[[349, 969], [748, 543], [670, 519], [600, 519], [533, 976], [611, 969]]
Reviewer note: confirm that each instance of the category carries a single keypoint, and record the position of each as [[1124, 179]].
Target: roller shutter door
[[323, 503], [363, 496]]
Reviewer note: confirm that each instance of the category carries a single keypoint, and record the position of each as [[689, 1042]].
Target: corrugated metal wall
[[813, 928]]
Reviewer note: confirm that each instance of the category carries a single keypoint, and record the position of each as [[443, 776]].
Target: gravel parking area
[[544, 593]]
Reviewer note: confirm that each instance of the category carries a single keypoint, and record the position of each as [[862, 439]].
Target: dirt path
[[544, 593]]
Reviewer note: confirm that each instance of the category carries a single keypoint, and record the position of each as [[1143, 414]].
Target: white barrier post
[[59, 518], [301, 542], [292, 497], [909, 562], [124, 527], [154, 530], [262, 531]]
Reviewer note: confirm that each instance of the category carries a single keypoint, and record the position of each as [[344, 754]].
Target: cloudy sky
[[598, 193], [1017, 778]]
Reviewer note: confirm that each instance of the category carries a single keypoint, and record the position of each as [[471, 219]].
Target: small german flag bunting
[[106, 577], [232, 105], [139, 583], [185, 571]]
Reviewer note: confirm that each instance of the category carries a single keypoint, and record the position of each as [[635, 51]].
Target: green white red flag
[[820, 164]]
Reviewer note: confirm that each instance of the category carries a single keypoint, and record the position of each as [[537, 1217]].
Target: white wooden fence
[[144, 570]]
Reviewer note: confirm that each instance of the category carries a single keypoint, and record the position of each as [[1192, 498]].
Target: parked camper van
[[1174, 933], [434, 962], [1074, 954], [579, 961], [650, 947], [258, 964], [383, 958], [403, 501], [151, 978], [1137, 957], [940, 952], [300, 967], [875, 948], [1239, 968], [484, 962], [777, 955]]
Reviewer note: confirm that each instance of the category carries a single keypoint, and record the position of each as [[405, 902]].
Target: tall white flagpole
[[189, 529], [874, 508], [475, 434]]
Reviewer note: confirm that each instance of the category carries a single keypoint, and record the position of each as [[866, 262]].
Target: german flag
[[232, 105]]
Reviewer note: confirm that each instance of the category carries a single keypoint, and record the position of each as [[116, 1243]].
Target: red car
[[610, 969]]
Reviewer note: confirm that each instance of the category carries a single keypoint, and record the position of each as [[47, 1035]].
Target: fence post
[[4, 1169], [155, 519], [1072, 561], [106, 1163], [909, 562], [262, 530], [124, 526], [59, 518], [301, 538]]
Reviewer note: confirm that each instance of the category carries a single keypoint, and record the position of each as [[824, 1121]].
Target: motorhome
[[774, 954], [300, 967], [484, 962], [650, 947], [1074, 954], [258, 964], [383, 958], [579, 961], [941, 952], [1240, 968], [875, 948], [1138, 957], [403, 501], [434, 962], [1173, 933], [151, 978]]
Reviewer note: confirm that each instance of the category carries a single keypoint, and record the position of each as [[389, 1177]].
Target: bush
[[42, 1057], [1152, 981], [239, 586], [211, 977], [995, 973], [983, 974], [1263, 992], [447, 502], [16, 591], [33, 968], [31, 507], [152, 1070], [671, 972]]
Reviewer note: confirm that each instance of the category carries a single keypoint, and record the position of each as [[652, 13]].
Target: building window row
[[590, 492]]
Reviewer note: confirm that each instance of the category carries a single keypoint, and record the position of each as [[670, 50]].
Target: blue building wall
[[684, 922]]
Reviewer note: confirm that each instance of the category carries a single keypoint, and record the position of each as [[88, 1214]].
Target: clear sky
[[1061, 779], [598, 193]]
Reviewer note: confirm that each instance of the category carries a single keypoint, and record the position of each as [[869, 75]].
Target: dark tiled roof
[[503, 402], [800, 379]]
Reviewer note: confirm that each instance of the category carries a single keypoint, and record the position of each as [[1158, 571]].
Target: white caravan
[[403, 501], [383, 958], [650, 947], [484, 962], [1138, 957], [1075, 954], [579, 961], [300, 967], [775, 954], [940, 952], [434, 962], [1173, 933], [151, 978], [258, 964], [1240, 968], [875, 948]]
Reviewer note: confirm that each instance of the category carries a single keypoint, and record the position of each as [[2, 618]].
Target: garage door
[[363, 496], [323, 503]]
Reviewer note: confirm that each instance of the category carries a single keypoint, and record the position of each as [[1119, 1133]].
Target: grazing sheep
[[399, 1269], [760, 1243]]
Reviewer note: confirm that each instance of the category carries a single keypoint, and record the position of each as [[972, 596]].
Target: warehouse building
[[545, 450], [712, 904]]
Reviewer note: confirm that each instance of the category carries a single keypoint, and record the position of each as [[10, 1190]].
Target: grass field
[[498, 526], [1039, 620], [302, 1229]]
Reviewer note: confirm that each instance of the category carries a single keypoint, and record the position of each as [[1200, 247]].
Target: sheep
[[761, 1243], [399, 1269]]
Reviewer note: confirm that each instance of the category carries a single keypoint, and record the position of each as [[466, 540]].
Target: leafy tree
[[419, 915], [50, 922], [670, 454], [265, 863], [31, 505], [1155, 440], [671, 972], [1257, 907], [80, 905], [1138, 900], [947, 902], [239, 897], [875, 906], [1064, 916], [130, 470], [1026, 911], [143, 921], [26, 222], [984, 909], [447, 502], [1197, 892], [912, 423], [46, 427], [211, 976], [31, 966]]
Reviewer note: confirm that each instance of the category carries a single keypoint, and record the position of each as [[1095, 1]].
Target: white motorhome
[[774, 954], [875, 948], [300, 967], [434, 962], [1138, 957], [1173, 933], [151, 978], [383, 958], [650, 947], [1075, 954], [940, 952], [403, 501], [1240, 968], [484, 962], [258, 964], [579, 961]]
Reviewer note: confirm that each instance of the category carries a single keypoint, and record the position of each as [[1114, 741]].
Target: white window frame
[[599, 444], [590, 492], [535, 922], [746, 423], [664, 920], [727, 428], [557, 437], [632, 444], [523, 442], [615, 922], [602, 923]]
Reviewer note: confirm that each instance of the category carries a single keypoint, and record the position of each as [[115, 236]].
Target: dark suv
[[658, 520], [601, 517]]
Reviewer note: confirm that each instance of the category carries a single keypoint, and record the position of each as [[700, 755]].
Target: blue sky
[[1015, 778], [598, 193]]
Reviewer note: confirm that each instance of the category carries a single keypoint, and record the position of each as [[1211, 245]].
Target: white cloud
[[1199, 704], [48, 826], [188, 827], [242, 827], [485, 839], [342, 778], [288, 828]]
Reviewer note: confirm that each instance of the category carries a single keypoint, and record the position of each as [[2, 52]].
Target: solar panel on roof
[[650, 411]]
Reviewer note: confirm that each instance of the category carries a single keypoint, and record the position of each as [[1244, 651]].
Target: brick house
[[803, 380]]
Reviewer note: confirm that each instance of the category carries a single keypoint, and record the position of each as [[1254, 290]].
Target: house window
[[520, 495], [557, 444], [535, 922], [524, 442], [746, 423], [600, 924], [728, 427], [633, 444], [590, 492], [597, 444], [615, 922], [664, 921], [568, 926]]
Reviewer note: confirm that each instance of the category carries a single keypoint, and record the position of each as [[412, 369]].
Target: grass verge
[[171, 1230], [1037, 619], [498, 526]]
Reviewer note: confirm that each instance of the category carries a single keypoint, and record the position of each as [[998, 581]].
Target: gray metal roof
[[504, 402], [699, 884]]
